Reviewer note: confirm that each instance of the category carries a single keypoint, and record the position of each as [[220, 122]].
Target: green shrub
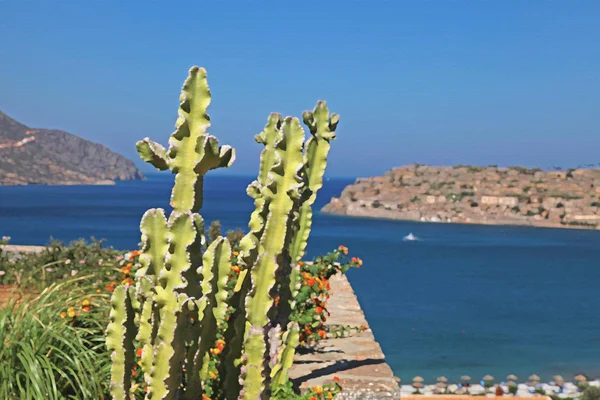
[[56, 262], [591, 393]]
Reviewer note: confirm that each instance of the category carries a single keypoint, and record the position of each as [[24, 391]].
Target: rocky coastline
[[53, 157], [476, 195]]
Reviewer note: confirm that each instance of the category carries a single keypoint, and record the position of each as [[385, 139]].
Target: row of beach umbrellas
[[511, 380]]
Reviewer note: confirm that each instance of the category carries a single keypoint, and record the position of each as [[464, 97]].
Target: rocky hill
[[53, 157], [466, 194]]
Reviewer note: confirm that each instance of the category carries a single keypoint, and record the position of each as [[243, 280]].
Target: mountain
[[53, 157], [477, 195]]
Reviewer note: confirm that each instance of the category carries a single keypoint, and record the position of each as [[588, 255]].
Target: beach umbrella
[[512, 377], [417, 385], [488, 378], [558, 379], [465, 378], [580, 378], [442, 379], [418, 379], [534, 378]]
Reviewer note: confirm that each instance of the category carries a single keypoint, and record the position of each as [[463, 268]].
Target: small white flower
[[81, 261], [2, 273], [48, 269], [74, 272], [100, 262], [67, 261]]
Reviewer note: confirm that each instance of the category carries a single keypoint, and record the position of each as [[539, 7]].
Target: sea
[[462, 300]]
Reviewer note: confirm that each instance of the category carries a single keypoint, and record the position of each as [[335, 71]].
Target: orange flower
[[139, 352], [343, 249], [322, 334], [277, 300], [220, 344], [306, 275], [300, 263], [336, 379], [363, 328], [133, 373], [205, 397], [63, 314], [329, 395], [313, 398], [235, 269], [212, 375], [319, 310], [85, 303], [85, 309], [310, 282], [235, 253], [318, 389]]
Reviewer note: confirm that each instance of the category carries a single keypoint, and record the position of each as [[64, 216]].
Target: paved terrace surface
[[357, 359]]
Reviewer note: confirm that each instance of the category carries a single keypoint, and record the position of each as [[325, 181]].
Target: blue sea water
[[465, 299]]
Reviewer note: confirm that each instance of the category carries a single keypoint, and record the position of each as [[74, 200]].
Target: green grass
[[45, 356]]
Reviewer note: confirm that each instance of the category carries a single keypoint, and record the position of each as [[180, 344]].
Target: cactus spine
[[180, 299]]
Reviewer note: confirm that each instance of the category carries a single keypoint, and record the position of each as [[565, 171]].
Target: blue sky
[[437, 82]]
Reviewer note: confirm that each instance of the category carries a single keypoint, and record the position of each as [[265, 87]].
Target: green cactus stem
[[283, 174], [322, 128], [179, 304]]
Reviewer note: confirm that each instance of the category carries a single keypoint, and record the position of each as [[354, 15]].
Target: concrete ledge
[[357, 360]]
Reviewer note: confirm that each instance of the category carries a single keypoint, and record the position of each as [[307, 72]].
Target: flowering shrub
[[56, 262], [311, 310]]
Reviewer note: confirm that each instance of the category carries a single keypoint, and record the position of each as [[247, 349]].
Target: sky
[[506, 82]]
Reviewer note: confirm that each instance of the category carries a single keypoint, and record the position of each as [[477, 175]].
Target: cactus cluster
[[179, 306]]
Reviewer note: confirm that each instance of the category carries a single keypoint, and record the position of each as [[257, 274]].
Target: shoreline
[[393, 216]]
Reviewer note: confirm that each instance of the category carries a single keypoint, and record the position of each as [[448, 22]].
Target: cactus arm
[[249, 250], [322, 128], [154, 247], [182, 234], [284, 174], [193, 152], [153, 153], [221, 269], [120, 334]]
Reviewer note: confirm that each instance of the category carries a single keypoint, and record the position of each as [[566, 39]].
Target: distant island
[[477, 195], [53, 157]]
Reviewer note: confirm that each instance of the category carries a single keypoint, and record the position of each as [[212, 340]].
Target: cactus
[[180, 307]]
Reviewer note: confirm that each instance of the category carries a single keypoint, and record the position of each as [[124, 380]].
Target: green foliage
[[512, 389], [591, 393], [56, 262], [195, 335], [46, 354]]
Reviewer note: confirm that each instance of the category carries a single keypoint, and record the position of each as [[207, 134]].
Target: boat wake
[[410, 237]]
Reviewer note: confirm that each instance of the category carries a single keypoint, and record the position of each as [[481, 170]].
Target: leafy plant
[[53, 345], [591, 393]]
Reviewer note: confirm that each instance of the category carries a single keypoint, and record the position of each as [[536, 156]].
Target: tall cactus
[[179, 304]]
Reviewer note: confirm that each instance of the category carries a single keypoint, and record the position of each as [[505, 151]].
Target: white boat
[[410, 236]]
